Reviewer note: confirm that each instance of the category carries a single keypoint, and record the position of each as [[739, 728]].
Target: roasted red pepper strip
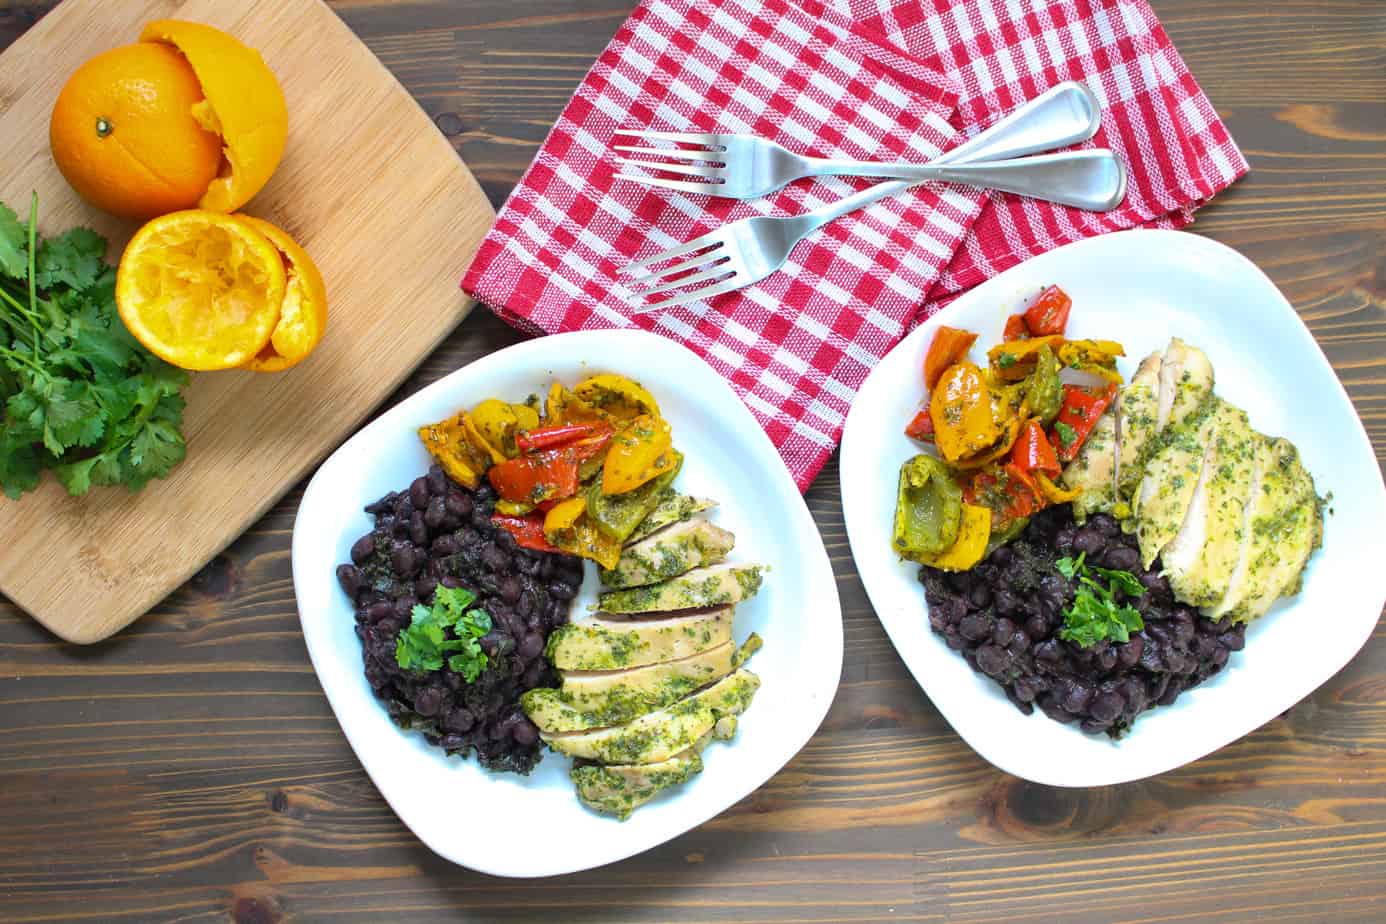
[[1023, 492], [1049, 314], [1016, 329], [561, 435], [922, 426], [1033, 451], [527, 530], [536, 477], [948, 346], [1078, 416]]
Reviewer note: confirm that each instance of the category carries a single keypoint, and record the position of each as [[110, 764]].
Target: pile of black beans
[[439, 532], [1004, 617]]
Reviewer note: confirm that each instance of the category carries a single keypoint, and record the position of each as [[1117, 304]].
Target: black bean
[[450, 580], [524, 733], [445, 545], [1105, 525], [362, 549], [418, 493], [1130, 653], [1019, 642], [458, 504], [349, 576], [530, 646], [1037, 626], [1003, 631], [563, 590], [1107, 706], [1121, 557], [494, 558], [434, 514], [993, 660], [437, 480], [1088, 540], [510, 589], [418, 529], [378, 611], [1232, 641], [385, 503], [405, 561], [424, 587], [975, 626]]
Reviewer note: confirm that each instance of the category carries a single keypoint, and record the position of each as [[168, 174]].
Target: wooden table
[[190, 769]]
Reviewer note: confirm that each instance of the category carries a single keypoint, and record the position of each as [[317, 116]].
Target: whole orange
[[124, 135]]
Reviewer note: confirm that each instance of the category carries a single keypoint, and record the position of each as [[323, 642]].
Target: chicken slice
[[1186, 381], [660, 735], [1200, 559], [1167, 488], [1137, 409], [604, 644], [671, 551], [619, 789], [716, 585], [592, 699], [1286, 526], [1093, 470], [672, 507]]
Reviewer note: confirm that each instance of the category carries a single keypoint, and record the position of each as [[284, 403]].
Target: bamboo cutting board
[[373, 191]]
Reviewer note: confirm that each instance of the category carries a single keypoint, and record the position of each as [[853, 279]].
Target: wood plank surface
[[360, 154], [189, 769]]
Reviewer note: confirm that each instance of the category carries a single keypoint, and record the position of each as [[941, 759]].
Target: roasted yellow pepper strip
[[973, 533], [961, 409], [563, 515], [617, 396], [1053, 493], [447, 443], [637, 453], [479, 440], [1015, 359]]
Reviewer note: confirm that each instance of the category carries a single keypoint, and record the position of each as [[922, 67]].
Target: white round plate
[[509, 825], [1141, 288]]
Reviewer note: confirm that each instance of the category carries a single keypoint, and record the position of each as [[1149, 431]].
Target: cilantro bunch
[[424, 644], [1095, 615], [78, 394]]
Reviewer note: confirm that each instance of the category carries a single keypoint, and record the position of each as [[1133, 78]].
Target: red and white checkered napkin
[[797, 346], [1177, 151], [861, 79]]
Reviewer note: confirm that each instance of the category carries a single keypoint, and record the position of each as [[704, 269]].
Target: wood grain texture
[[360, 156], [190, 769]]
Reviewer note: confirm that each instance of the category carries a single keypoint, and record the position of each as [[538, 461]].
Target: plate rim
[[860, 537], [531, 352]]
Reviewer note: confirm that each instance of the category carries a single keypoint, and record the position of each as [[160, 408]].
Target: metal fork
[[747, 167], [746, 251]]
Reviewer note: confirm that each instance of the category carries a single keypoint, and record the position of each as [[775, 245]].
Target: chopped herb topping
[[424, 644], [1095, 615]]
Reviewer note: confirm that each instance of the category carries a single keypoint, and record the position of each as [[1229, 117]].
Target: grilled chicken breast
[[1186, 381], [1168, 485], [1137, 409], [619, 789], [592, 699], [671, 551], [717, 585], [615, 644], [1093, 470], [1200, 559], [660, 735], [672, 507], [1283, 526]]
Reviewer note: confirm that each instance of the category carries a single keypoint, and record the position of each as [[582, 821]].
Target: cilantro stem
[[21, 358], [33, 268]]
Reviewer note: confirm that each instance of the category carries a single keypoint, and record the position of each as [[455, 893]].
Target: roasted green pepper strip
[[928, 508], [1044, 389], [617, 515]]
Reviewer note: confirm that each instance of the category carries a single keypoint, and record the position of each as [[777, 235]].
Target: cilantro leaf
[[1095, 616], [78, 393], [14, 256], [74, 258], [1066, 433], [424, 645]]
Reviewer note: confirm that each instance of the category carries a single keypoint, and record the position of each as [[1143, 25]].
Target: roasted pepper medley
[[577, 477], [999, 433]]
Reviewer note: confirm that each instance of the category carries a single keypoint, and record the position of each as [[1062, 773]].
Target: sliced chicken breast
[[619, 789], [1137, 410], [1167, 488], [1260, 502], [716, 585], [661, 734], [1285, 528], [1186, 381], [672, 507], [593, 699], [1093, 470], [605, 644], [1200, 559], [669, 552]]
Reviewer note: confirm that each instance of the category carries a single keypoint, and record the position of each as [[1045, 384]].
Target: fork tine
[[703, 138], [701, 260], [718, 272], [684, 169], [676, 153], [700, 189], [731, 285], [708, 240]]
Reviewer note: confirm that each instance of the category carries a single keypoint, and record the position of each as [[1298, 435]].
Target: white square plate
[[509, 825], [1141, 288]]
